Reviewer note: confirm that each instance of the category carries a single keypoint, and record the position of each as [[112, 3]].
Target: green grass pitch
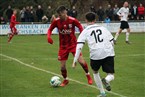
[[19, 80]]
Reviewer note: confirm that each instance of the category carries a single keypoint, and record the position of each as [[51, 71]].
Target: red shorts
[[64, 53], [14, 30]]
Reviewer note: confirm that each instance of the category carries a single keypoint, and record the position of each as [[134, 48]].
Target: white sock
[[99, 82], [127, 36], [65, 78], [109, 78], [88, 73], [116, 36]]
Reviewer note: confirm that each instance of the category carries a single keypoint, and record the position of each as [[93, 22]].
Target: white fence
[[42, 28]]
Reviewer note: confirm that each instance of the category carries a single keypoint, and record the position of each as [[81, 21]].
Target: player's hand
[[120, 17], [50, 40], [74, 65]]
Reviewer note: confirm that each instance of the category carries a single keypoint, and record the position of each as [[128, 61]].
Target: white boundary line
[[39, 69], [46, 58]]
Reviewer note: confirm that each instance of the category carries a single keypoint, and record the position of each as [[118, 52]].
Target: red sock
[[10, 38], [64, 73], [85, 67]]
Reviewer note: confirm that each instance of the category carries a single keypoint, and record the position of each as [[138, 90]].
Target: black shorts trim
[[106, 63], [112, 39], [80, 42], [124, 25]]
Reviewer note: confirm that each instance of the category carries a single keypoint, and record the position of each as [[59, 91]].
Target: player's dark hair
[[61, 9], [90, 16]]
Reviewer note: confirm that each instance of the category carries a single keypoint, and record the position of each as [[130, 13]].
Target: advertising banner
[[26, 29]]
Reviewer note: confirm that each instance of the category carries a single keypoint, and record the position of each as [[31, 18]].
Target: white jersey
[[123, 13], [99, 40]]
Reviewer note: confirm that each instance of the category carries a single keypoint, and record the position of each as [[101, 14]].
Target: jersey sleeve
[[119, 12], [80, 44], [82, 37], [78, 24], [52, 26], [78, 51]]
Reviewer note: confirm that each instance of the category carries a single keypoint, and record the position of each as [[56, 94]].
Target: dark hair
[[90, 16], [61, 9]]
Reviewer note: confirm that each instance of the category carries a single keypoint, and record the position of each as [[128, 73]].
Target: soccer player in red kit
[[67, 41], [13, 23]]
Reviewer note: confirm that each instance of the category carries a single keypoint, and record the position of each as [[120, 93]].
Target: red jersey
[[66, 30], [13, 21], [141, 10]]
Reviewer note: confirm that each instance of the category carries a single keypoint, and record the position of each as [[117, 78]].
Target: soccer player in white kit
[[123, 14], [101, 46]]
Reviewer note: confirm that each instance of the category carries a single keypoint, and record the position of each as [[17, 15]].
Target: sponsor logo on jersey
[[65, 31], [70, 25]]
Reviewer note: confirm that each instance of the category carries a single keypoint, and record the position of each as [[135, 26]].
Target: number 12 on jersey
[[97, 35]]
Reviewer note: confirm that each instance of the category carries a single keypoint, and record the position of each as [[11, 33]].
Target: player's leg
[[99, 84], [117, 35], [11, 35], [15, 31], [127, 35], [120, 30], [108, 67], [106, 81], [64, 73], [109, 77], [95, 65], [62, 57], [85, 67], [83, 64]]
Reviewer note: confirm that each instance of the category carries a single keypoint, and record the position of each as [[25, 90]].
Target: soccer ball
[[55, 81]]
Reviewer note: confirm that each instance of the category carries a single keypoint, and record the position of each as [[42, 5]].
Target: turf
[[18, 80]]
